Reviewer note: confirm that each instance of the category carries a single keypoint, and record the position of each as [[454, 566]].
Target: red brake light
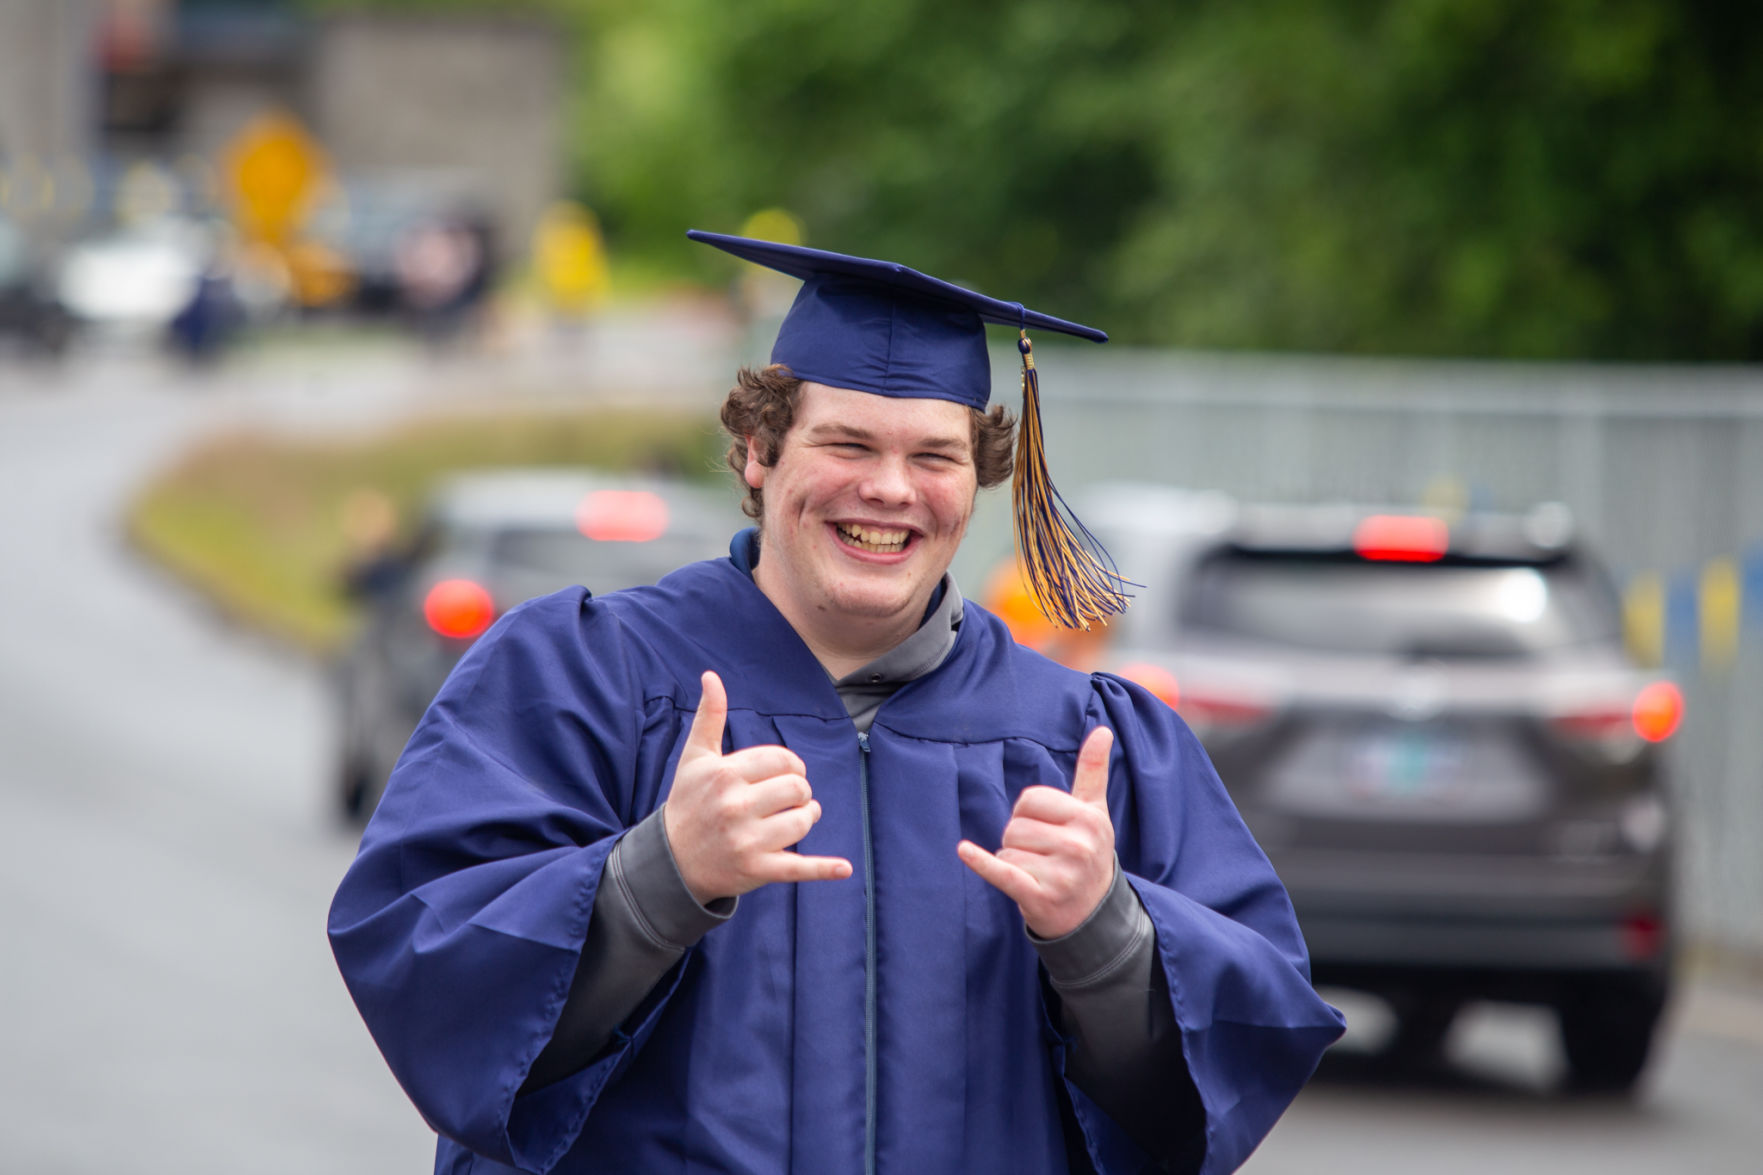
[[1402, 538], [458, 608], [1657, 711], [1160, 681], [622, 516], [1620, 732]]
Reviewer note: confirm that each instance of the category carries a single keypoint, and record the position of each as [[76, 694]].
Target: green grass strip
[[255, 520]]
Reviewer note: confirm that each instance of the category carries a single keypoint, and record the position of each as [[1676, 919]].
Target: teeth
[[874, 538]]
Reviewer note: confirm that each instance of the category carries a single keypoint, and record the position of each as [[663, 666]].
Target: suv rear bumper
[[1480, 913], [1360, 942]]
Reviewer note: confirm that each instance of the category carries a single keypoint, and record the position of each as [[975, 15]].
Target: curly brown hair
[[761, 407]]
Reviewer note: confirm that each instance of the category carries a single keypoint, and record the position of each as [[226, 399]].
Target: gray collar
[[863, 690]]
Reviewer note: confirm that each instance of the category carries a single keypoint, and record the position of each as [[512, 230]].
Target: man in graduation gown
[[796, 862]]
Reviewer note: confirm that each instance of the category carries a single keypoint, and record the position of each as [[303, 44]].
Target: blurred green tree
[[1467, 177]]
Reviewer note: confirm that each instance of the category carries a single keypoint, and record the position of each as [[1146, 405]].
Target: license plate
[[1405, 763]]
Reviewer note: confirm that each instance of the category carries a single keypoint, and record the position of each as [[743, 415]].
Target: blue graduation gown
[[900, 1010]]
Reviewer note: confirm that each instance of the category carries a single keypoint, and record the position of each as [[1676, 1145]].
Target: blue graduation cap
[[880, 327]]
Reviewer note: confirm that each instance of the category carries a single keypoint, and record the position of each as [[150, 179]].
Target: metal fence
[[1662, 467]]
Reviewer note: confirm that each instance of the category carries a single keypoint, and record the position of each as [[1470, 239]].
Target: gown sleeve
[[1252, 1027], [644, 921], [459, 927]]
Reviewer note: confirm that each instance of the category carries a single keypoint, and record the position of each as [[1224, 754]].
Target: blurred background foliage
[[257, 520], [1440, 177]]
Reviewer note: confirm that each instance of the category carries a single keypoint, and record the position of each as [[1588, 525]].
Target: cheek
[[953, 504], [790, 497]]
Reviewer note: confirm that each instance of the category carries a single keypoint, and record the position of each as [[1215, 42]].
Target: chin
[[873, 605]]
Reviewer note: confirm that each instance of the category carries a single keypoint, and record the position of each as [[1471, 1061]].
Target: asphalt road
[[1494, 1103], [167, 1001], [167, 853]]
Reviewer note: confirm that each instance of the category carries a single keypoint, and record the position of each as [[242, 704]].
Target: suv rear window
[[601, 567], [1453, 609]]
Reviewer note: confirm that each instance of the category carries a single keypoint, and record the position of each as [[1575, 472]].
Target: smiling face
[[864, 510]]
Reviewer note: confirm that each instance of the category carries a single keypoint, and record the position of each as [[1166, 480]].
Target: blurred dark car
[[488, 541], [30, 311], [1437, 735]]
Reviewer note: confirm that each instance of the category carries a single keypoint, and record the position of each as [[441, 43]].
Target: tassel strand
[[1072, 577]]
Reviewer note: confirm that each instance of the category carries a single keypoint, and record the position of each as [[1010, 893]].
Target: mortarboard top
[[880, 327]]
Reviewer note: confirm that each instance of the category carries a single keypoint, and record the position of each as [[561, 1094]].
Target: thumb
[[707, 724], [1090, 781]]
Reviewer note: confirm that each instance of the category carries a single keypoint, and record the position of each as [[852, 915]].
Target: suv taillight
[[1657, 711], [1619, 732], [1214, 713], [458, 608], [1206, 711], [1160, 681]]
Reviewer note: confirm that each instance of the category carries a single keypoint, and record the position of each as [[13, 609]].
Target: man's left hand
[[1057, 859]]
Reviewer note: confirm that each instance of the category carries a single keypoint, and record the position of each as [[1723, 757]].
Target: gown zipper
[[869, 1058]]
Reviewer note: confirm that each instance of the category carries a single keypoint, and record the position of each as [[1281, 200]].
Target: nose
[[889, 482]]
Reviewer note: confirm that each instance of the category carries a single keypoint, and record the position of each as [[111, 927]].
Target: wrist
[[1096, 946], [701, 890]]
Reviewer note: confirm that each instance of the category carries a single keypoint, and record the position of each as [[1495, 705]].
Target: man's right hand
[[731, 819]]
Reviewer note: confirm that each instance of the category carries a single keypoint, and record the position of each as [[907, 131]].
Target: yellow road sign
[[570, 258], [273, 169]]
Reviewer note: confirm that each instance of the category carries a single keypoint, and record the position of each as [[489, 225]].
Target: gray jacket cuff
[[1117, 932], [648, 877], [1125, 1047], [644, 919]]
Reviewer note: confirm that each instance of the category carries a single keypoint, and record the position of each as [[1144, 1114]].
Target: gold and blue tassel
[[1073, 579]]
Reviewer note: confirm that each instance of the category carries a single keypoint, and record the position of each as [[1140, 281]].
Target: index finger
[[1090, 781], [707, 723]]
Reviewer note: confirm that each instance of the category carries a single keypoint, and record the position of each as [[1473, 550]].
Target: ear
[[755, 472]]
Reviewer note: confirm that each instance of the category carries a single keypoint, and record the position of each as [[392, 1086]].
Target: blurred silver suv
[[487, 541], [1434, 730]]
